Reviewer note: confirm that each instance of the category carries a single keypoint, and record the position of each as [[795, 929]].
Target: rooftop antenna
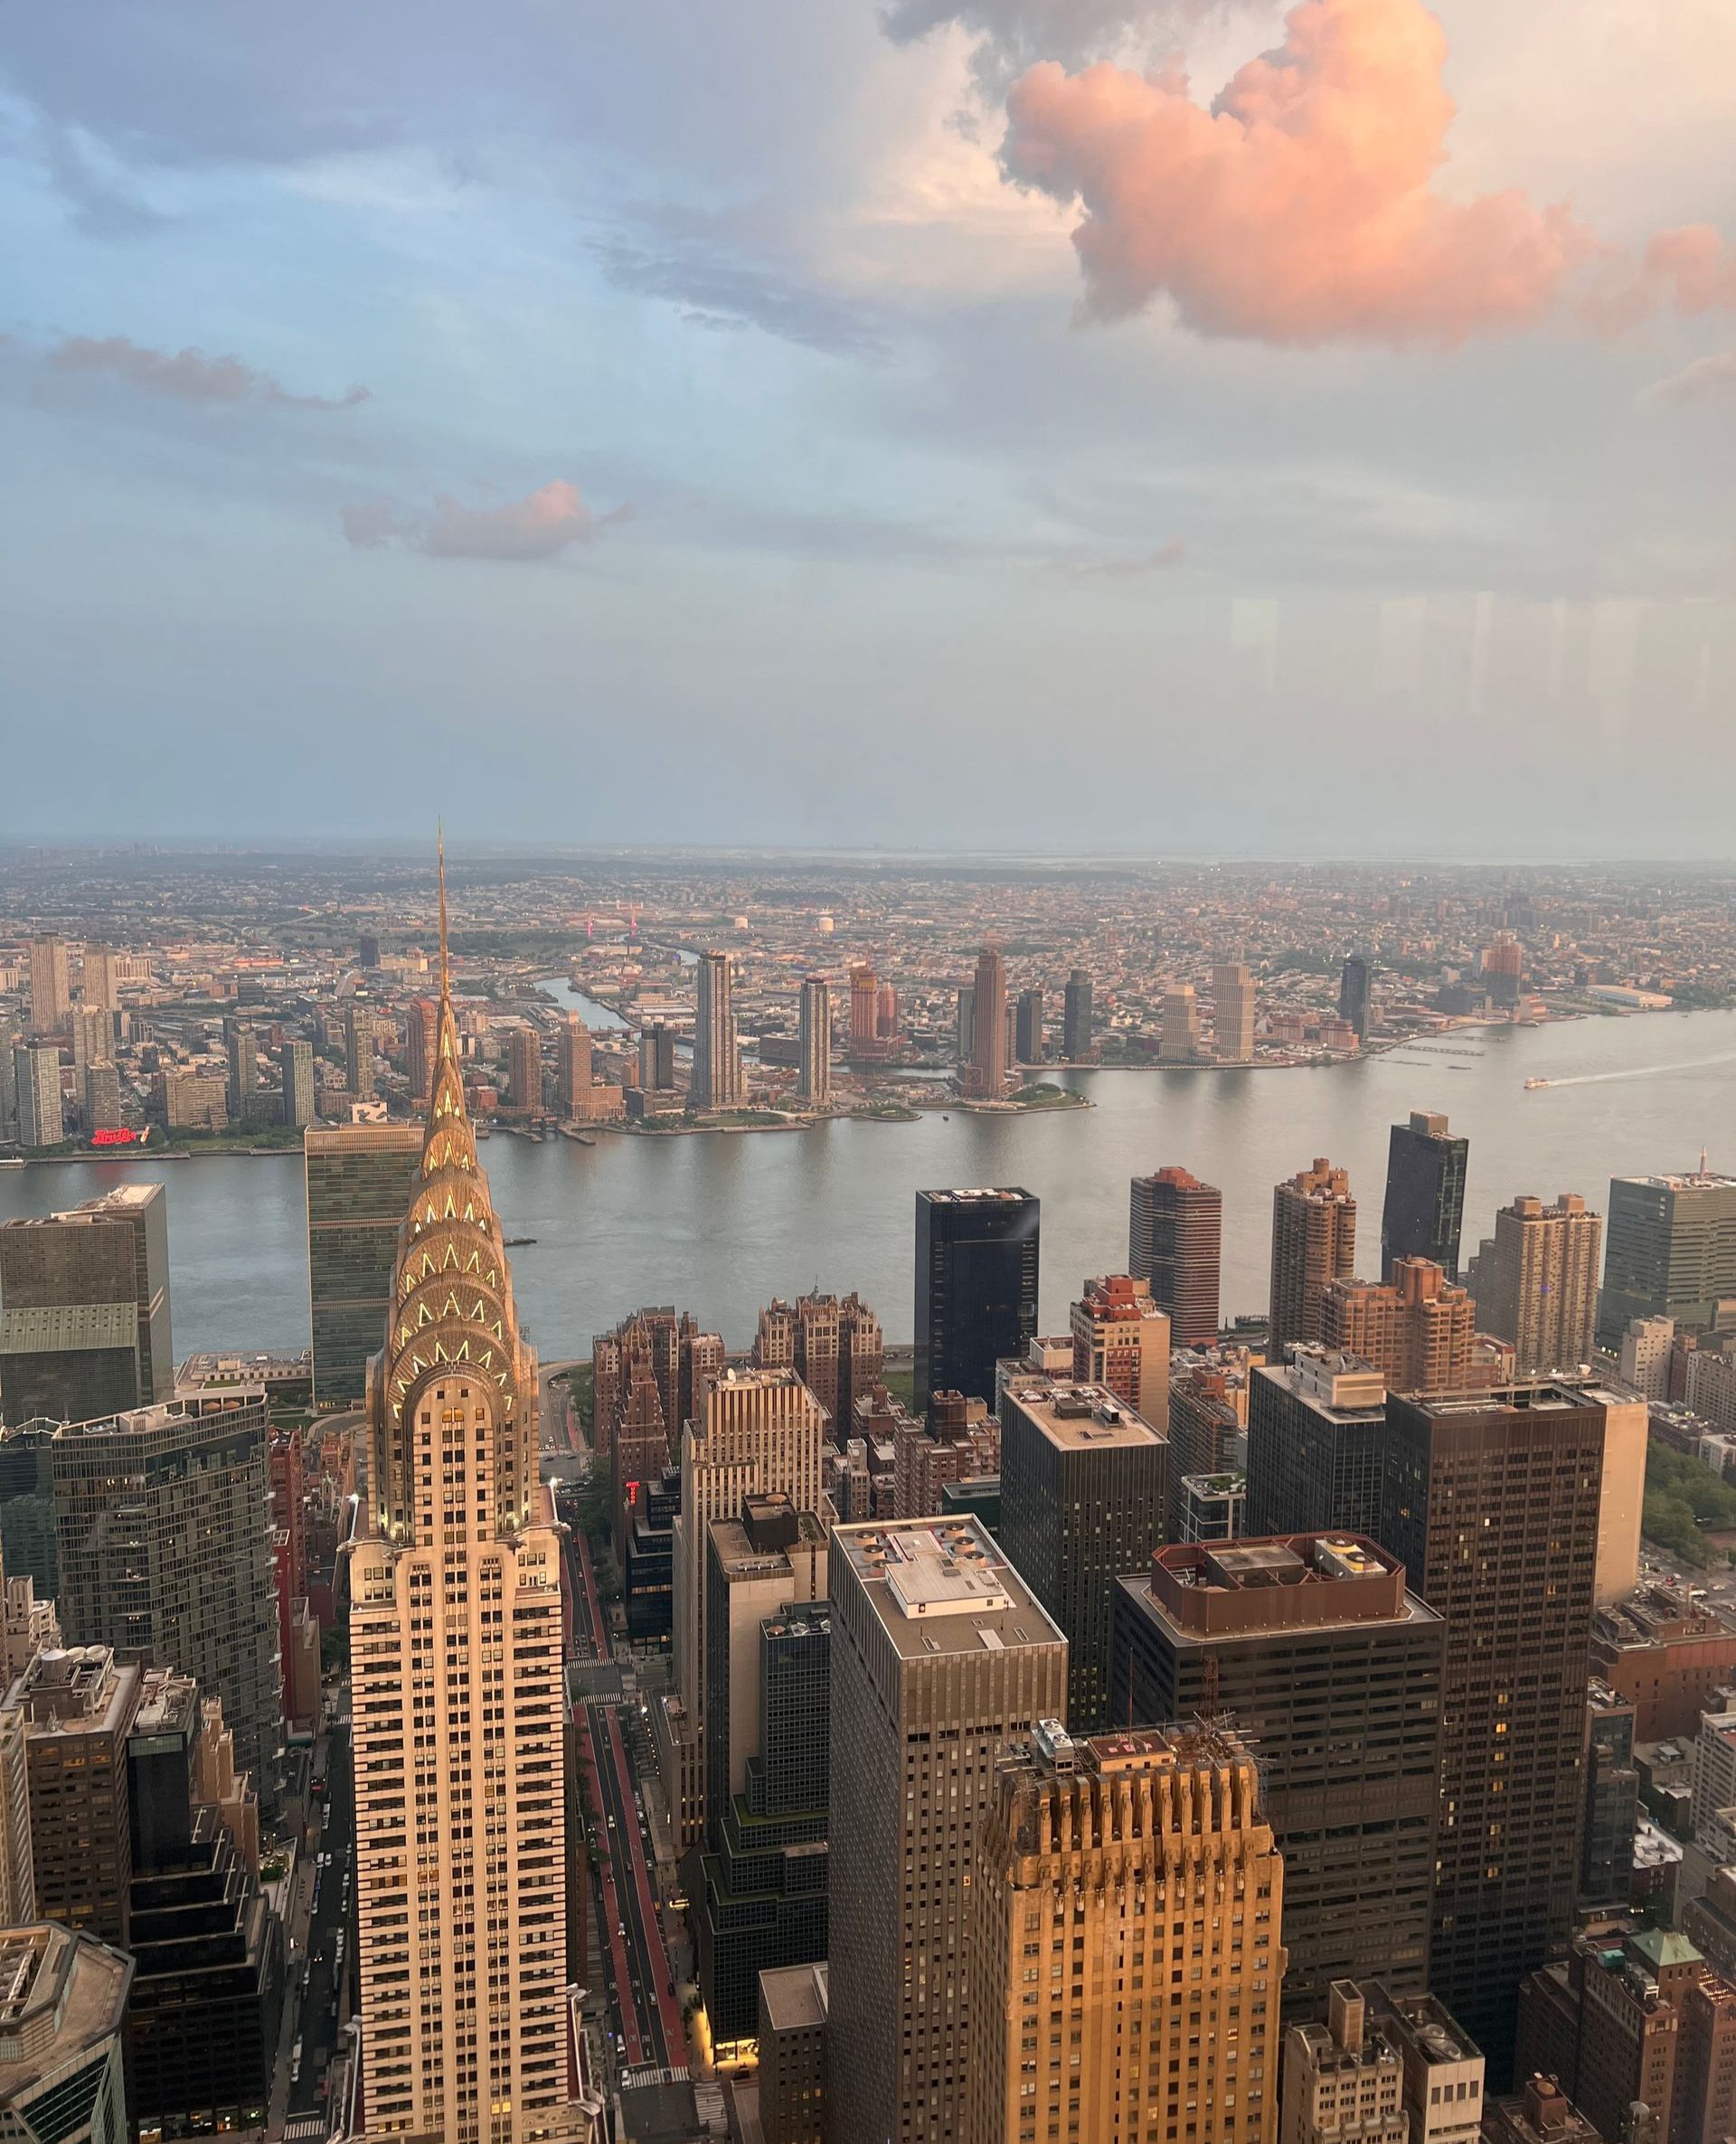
[[446, 974]]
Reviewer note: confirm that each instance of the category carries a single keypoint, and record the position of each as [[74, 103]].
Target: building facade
[[1232, 1013], [813, 1041], [85, 1327], [1174, 1242], [1538, 1287], [985, 1077], [717, 1082], [1416, 1329], [940, 1653], [1076, 1044], [1119, 1864], [977, 1254], [1424, 1213], [1671, 1252], [1314, 1243], [358, 1185], [1121, 1341], [1316, 1445]]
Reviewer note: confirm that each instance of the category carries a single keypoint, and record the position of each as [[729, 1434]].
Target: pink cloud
[[1301, 207], [539, 526], [189, 376], [1707, 379]]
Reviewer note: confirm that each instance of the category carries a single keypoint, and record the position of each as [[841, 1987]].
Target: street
[[316, 2023]]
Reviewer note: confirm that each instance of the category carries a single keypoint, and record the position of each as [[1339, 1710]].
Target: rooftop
[[1078, 1417], [943, 1586], [1691, 1180], [1007, 1195], [1294, 1581], [1342, 1386], [59, 1993], [795, 1997]]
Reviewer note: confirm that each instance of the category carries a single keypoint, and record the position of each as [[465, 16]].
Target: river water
[[720, 1222]]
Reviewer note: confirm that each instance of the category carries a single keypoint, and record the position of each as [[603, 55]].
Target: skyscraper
[[1520, 1474], [1076, 1045], [717, 1053], [295, 1069], [975, 1288], [163, 1543], [524, 1070], [100, 1100], [36, 1077], [1353, 990], [421, 1045], [1316, 1445], [50, 990], [76, 1706], [865, 1012], [1101, 1860], [1539, 1288], [813, 1077], [572, 1071], [1331, 1668], [1344, 2080], [1179, 1043], [65, 2018], [243, 1052], [1425, 1193], [1504, 969], [358, 1050], [1174, 1236], [987, 1078], [1121, 1341], [359, 1179], [1313, 1241], [1028, 1028], [1416, 1330], [101, 989], [940, 1653], [1671, 1252], [1232, 1013], [86, 1324], [456, 1671], [1083, 1498]]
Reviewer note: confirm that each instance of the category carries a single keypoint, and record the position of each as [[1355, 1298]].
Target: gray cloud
[[1138, 563], [1705, 379], [188, 376], [541, 526], [1012, 35], [717, 293]]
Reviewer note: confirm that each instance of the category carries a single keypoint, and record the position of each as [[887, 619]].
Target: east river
[[719, 1222]]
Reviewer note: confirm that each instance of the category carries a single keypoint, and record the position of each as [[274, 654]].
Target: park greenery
[[1684, 1499]]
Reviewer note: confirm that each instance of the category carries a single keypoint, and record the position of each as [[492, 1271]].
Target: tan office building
[[1314, 1243], [1127, 1922], [1538, 1285]]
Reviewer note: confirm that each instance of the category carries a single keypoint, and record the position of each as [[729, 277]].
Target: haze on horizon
[[954, 426]]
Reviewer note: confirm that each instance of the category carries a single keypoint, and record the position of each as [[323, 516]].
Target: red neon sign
[[117, 1135]]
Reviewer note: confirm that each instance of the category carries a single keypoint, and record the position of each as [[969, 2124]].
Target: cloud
[[541, 526], [1016, 31], [717, 293], [1139, 563], [1706, 379], [1300, 207], [189, 376]]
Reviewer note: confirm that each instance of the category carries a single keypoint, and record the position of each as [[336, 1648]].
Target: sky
[[1080, 425]]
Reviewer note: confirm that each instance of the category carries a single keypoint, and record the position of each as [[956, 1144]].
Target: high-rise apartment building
[[1232, 1013], [865, 1012], [1175, 1240], [1083, 1499], [956, 1440], [295, 1071], [1331, 1668], [1538, 1287], [1518, 1474], [1344, 2080], [100, 985], [987, 1075], [1314, 1243], [36, 1084], [1121, 1341], [8, 1088], [100, 1100], [91, 1031], [457, 1686], [1354, 983], [50, 988], [1206, 1426], [717, 1082], [1209, 1506], [940, 1653], [421, 1045], [86, 1328], [1317, 1444], [358, 1183], [1443, 2067], [766, 1707], [1671, 1252], [524, 1070], [243, 1052], [754, 1433], [1179, 1038], [63, 2036], [572, 1068], [163, 1543], [1643, 1356], [1076, 1044], [813, 1040], [862, 1357], [358, 1050], [975, 1288], [1606, 2023], [1504, 969], [1424, 1212], [1416, 1329], [1119, 1864]]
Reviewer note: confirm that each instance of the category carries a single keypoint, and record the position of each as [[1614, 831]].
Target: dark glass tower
[[1425, 1193], [1353, 994], [1076, 1018], [975, 1288]]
